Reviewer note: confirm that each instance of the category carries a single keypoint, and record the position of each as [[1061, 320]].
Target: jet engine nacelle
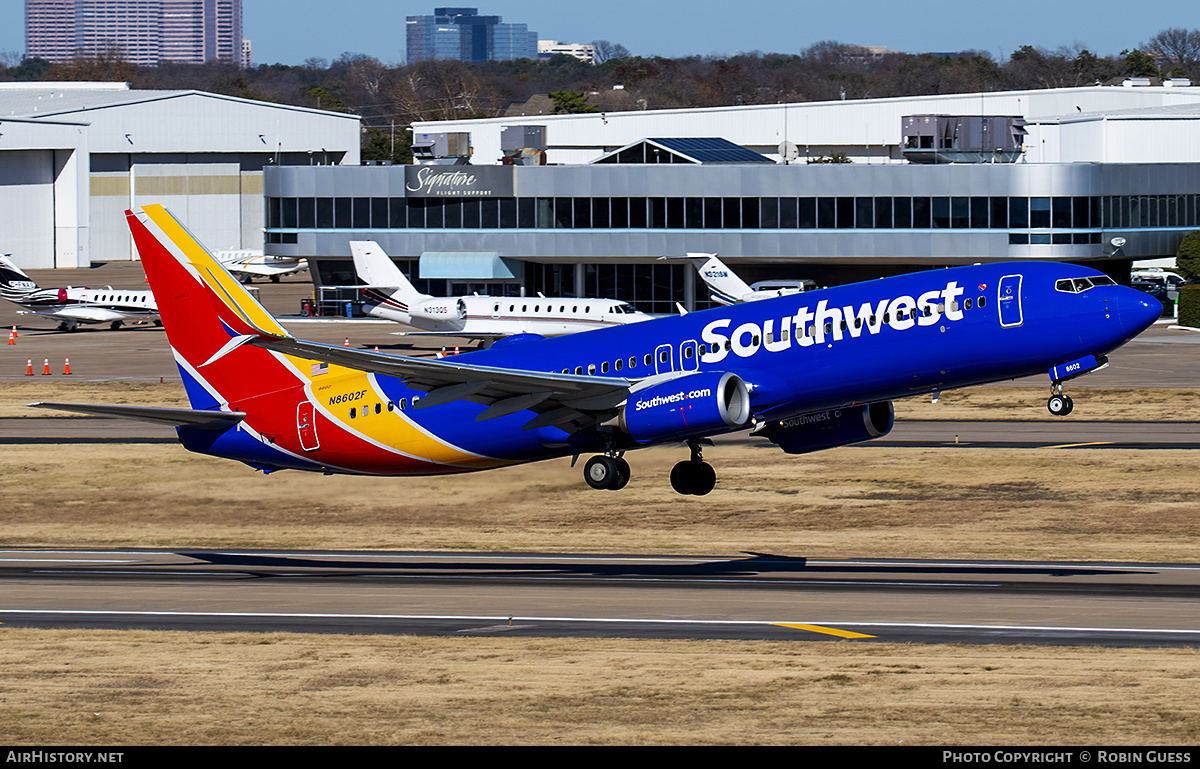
[[690, 405], [835, 427], [439, 309]]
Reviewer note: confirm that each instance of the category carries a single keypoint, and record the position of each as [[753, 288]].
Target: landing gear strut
[[694, 476], [1059, 404], [606, 472]]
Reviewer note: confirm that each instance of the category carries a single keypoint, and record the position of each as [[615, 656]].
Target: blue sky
[[290, 31]]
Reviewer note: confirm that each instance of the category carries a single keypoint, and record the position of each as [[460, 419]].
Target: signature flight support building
[[932, 181]]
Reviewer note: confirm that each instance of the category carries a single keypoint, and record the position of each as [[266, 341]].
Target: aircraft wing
[[568, 401], [82, 313], [564, 400], [198, 418]]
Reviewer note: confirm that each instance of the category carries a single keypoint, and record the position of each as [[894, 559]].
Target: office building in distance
[[462, 34], [145, 32]]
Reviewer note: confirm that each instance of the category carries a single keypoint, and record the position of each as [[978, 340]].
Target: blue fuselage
[[861, 343]]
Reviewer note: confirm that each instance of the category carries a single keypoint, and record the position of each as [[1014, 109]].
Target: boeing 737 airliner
[[808, 371]]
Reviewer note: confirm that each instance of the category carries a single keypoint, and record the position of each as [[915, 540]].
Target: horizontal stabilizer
[[197, 418]]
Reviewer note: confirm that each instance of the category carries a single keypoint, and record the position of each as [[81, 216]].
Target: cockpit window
[[1079, 285]]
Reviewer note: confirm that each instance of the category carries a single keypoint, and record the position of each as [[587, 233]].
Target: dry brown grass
[[148, 688], [14, 395], [1091, 404], [943, 502]]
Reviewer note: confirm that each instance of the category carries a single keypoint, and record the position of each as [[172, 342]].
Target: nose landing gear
[[1059, 404]]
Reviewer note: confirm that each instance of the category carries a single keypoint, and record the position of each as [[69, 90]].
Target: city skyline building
[[461, 34], [145, 32], [585, 52]]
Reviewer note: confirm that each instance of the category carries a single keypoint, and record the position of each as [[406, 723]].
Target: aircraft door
[[663, 359], [688, 359], [1010, 301], [306, 426]]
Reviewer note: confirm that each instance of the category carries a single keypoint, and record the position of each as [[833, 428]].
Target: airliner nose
[[1138, 311]]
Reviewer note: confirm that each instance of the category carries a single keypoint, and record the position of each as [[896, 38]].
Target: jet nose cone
[[1139, 311]]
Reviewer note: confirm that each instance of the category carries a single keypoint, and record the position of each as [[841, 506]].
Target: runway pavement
[[760, 596]]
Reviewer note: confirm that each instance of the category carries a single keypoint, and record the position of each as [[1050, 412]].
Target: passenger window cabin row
[[664, 356]]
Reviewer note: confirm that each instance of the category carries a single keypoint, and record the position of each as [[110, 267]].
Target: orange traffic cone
[[12, 336], [46, 367], [442, 353], [456, 349], [67, 366], [29, 367], [376, 348], [347, 344]]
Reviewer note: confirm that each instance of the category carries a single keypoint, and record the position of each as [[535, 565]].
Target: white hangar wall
[[200, 154]]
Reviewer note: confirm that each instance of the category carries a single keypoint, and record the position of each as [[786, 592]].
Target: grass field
[[168, 688]]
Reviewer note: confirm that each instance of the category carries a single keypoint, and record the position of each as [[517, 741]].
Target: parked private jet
[[727, 288], [71, 306], [806, 372], [388, 294], [248, 264]]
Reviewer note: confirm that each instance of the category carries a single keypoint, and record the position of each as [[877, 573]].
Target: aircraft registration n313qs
[[806, 371]]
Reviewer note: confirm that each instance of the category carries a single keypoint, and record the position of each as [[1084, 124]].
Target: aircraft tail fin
[[377, 270], [725, 286], [15, 285], [207, 315]]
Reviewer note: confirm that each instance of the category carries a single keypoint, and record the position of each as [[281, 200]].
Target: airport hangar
[[74, 156], [1102, 175]]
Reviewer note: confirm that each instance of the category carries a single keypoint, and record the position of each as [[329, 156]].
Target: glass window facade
[[747, 213]]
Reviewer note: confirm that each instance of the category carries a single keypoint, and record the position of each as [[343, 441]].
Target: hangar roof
[[120, 121], [35, 100]]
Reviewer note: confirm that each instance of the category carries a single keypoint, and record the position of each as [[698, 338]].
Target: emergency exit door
[[306, 426]]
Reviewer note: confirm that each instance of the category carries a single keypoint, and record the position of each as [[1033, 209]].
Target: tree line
[[390, 97]]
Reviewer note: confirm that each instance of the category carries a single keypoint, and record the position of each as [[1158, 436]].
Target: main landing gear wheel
[[605, 472], [694, 477]]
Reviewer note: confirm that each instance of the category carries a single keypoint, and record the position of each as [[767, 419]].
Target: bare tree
[[606, 49], [1175, 48]]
